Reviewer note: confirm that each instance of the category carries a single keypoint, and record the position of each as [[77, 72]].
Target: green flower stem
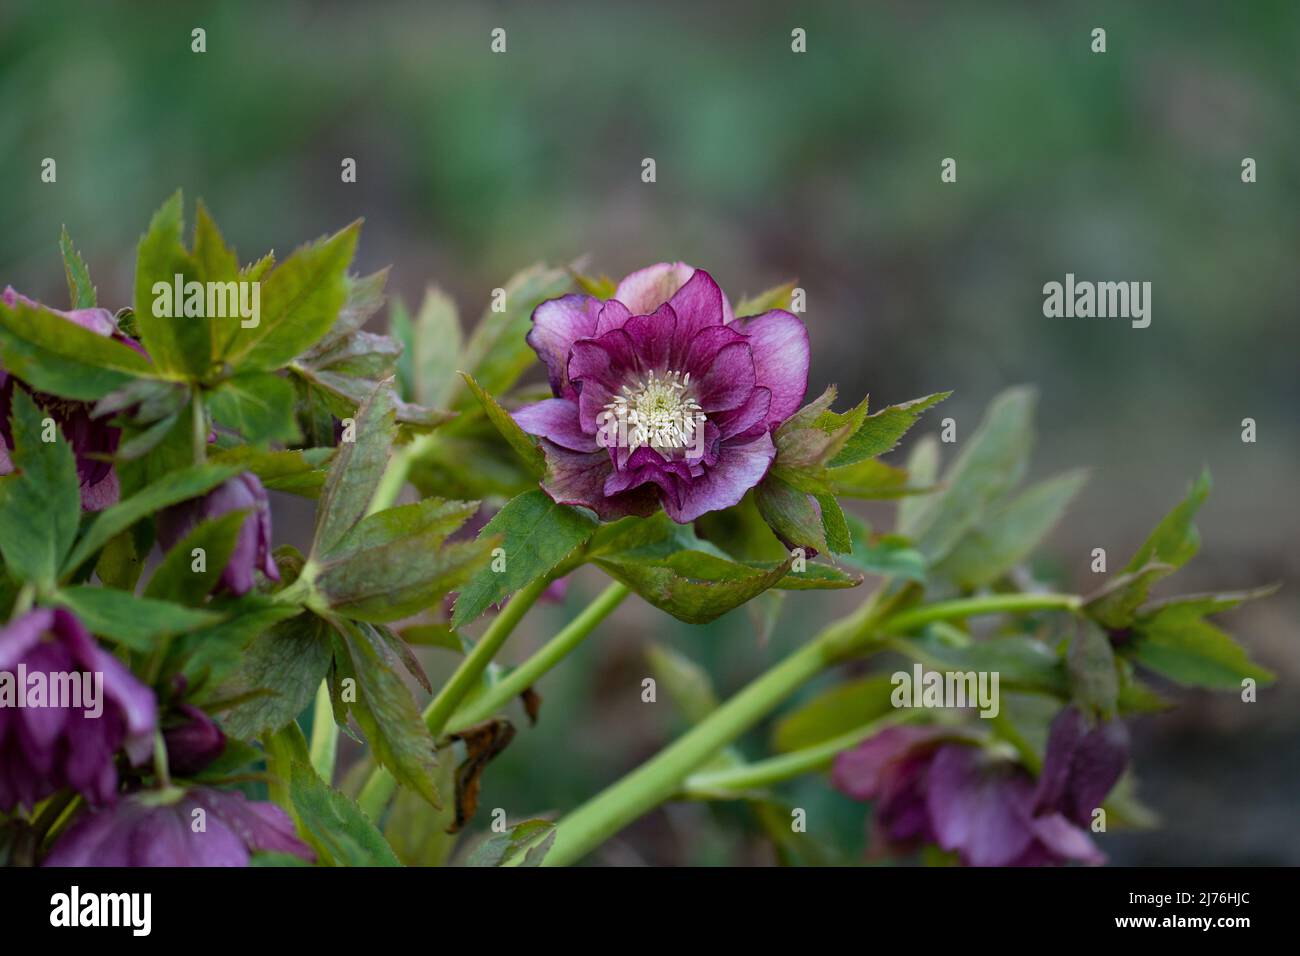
[[324, 734], [398, 470], [914, 618], [550, 654], [734, 781], [379, 787], [658, 779]]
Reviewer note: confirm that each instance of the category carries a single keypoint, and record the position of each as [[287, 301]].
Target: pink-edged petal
[[575, 478], [739, 468], [613, 315], [699, 304], [646, 289], [556, 419], [728, 382], [557, 324], [780, 345], [747, 420]]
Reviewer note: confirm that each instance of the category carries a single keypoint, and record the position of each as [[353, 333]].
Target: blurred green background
[[771, 165]]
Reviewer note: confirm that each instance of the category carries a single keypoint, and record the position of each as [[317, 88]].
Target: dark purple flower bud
[[66, 708], [662, 397], [193, 741], [1081, 765], [197, 827], [253, 547], [931, 786], [93, 440]]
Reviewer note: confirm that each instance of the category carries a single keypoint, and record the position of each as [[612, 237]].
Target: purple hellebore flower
[[662, 396], [253, 547], [44, 748], [93, 441], [930, 786], [193, 741], [155, 828], [1081, 764]]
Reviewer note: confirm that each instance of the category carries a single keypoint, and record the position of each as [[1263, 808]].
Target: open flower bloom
[[253, 546], [165, 829], [931, 787], [58, 741], [93, 441], [662, 397]]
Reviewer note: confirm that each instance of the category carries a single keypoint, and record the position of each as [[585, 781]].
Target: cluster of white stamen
[[658, 411]]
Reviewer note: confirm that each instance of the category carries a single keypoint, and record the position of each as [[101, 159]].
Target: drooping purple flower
[[1081, 764], [66, 741], [930, 787], [93, 441], [253, 547], [193, 740], [661, 396], [154, 828]]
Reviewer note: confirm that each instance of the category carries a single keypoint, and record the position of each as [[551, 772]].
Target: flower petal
[[739, 468], [556, 419], [728, 382], [977, 806], [646, 289], [575, 478], [557, 324], [780, 345], [699, 304]]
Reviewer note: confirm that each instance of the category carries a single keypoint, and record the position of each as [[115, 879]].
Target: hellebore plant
[[675, 455]]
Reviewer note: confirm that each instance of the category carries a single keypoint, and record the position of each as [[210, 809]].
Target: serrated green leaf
[[1175, 540], [135, 622], [176, 580], [430, 519], [692, 586], [888, 555], [300, 301], [55, 355], [991, 463], [80, 289], [880, 433], [791, 513], [277, 676], [1010, 532], [499, 849], [536, 535], [433, 349], [40, 502], [173, 488], [1115, 604], [523, 444], [335, 826], [356, 471], [399, 578], [259, 406], [176, 343], [300, 471], [1175, 641], [398, 738]]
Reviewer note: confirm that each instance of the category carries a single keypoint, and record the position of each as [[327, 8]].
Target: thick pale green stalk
[[550, 654], [398, 470], [379, 787], [659, 778], [763, 773], [324, 734]]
